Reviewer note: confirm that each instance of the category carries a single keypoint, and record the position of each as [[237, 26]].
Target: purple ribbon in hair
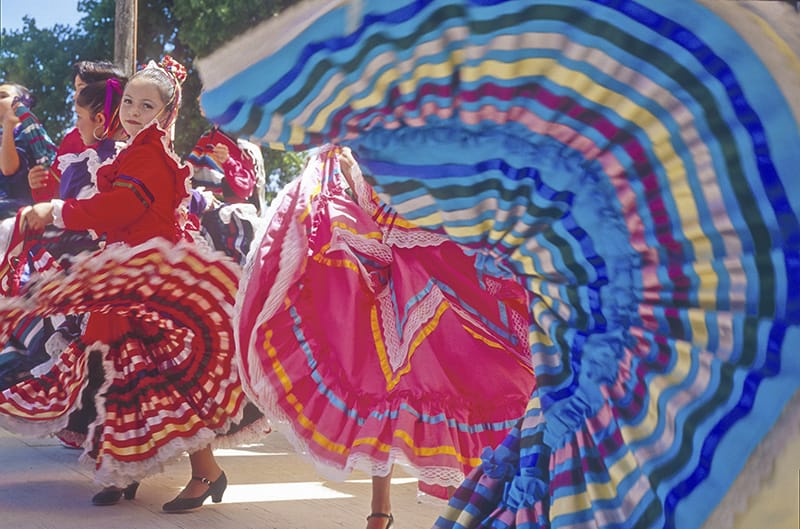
[[112, 86]]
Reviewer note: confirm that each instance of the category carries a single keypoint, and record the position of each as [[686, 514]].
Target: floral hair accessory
[[174, 67]]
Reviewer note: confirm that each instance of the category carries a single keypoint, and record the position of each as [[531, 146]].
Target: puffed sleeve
[[130, 195]]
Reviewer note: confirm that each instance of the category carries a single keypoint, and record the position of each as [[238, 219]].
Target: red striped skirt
[[160, 316]]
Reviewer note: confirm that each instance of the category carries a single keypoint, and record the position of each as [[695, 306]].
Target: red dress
[[160, 317], [235, 179], [369, 341], [140, 192]]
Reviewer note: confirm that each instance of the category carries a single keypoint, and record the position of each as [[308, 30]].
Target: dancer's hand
[[38, 176], [348, 163], [220, 153], [36, 217]]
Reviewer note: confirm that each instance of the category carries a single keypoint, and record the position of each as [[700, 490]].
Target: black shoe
[[112, 495], [382, 515], [215, 489]]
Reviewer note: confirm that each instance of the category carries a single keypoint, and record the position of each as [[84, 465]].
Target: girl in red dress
[[159, 315]]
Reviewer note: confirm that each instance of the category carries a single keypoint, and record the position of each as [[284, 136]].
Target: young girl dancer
[[159, 315], [98, 124], [45, 181], [228, 197], [363, 336], [96, 108]]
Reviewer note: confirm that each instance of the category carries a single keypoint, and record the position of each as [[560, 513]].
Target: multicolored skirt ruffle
[[26, 255], [635, 162], [159, 315]]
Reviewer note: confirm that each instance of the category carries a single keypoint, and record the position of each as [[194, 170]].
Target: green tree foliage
[[206, 26], [281, 168], [94, 38], [41, 58]]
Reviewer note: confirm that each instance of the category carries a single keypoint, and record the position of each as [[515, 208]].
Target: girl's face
[[89, 126], [141, 103], [7, 95]]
